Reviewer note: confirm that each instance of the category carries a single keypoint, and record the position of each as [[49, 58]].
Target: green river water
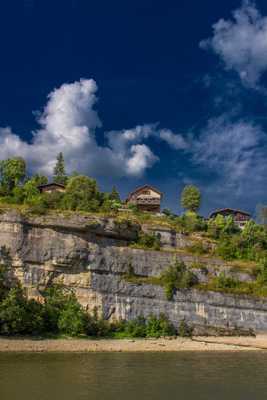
[[101, 376]]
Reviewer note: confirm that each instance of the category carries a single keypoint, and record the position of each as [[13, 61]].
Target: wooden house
[[146, 198], [51, 187], [240, 217]]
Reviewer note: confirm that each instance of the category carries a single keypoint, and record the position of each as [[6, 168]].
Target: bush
[[191, 222], [184, 329], [177, 276], [262, 273], [72, 318], [148, 241], [136, 327], [226, 282], [226, 249], [157, 327]]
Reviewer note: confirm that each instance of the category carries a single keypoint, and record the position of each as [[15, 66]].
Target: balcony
[[147, 201]]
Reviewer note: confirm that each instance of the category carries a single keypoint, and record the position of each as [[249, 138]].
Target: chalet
[[51, 187], [146, 198], [240, 217]]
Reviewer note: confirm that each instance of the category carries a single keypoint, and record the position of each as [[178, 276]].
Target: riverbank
[[135, 345]]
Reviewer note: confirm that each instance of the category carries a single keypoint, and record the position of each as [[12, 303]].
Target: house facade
[[146, 198], [240, 217], [51, 187]]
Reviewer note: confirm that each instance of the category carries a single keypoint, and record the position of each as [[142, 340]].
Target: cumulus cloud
[[241, 43], [69, 124]]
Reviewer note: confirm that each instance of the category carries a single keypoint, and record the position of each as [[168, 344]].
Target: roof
[[229, 209], [141, 188], [51, 184]]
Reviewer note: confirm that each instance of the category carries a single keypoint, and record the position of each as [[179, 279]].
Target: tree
[[72, 319], [191, 198], [82, 194], [13, 172], [38, 180], [114, 195], [59, 170]]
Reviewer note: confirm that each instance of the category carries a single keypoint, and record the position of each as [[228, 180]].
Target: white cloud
[[175, 141], [68, 123], [235, 152], [241, 43]]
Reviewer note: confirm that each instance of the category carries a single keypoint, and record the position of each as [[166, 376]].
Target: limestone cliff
[[91, 255]]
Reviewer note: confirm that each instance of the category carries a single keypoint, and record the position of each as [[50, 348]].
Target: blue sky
[[167, 93]]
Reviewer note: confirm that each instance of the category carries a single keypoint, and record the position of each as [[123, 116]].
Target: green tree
[[82, 194], [191, 198], [38, 180], [60, 175], [30, 191], [114, 195], [72, 319], [13, 172]]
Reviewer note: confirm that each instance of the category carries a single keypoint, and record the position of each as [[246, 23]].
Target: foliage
[[19, 316], [13, 172], [226, 282], [177, 276], [249, 244], [72, 318], [221, 226], [157, 327], [191, 198], [198, 248], [148, 241], [140, 327], [59, 170], [191, 222], [81, 194], [184, 329], [39, 180], [114, 195], [262, 273]]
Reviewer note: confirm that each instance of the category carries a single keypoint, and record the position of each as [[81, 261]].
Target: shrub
[[157, 327], [37, 205], [262, 273], [191, 222], [226, 249], [226, 282], [148, 241], [198, 248], [184, 329], [177, 276], [136, 327], [72, 318]]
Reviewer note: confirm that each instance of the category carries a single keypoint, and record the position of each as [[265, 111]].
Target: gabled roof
[[51, 184], [233, 210], [140, 188]]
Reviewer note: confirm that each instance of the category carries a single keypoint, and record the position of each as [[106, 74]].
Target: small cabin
[[146, 198], [51, 187], [240, 217]]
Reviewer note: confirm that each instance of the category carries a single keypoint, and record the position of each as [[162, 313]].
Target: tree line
[[81, 194]]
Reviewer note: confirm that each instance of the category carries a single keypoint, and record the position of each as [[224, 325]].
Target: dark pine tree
[[60, 175]]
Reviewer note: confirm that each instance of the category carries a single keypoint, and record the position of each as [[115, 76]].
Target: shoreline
[[134, 345]]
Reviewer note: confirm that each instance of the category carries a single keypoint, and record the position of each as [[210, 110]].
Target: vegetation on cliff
[[61, 314]]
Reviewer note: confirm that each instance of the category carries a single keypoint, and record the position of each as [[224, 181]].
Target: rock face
[[90, 255]]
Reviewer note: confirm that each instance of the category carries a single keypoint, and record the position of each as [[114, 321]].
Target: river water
[[145, 376]]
